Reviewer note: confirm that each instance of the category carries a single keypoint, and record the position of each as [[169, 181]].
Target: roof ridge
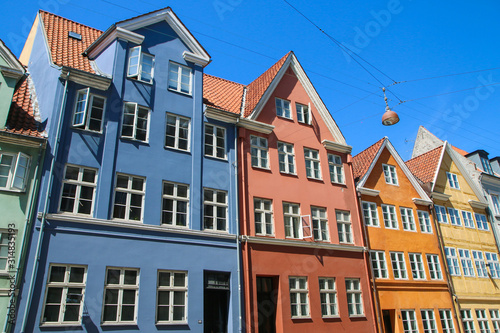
[[66, 19], [378, 142]]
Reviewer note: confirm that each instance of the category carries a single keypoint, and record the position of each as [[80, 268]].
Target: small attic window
[[75, 35]]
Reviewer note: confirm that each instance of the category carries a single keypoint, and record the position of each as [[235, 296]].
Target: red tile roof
[[65, 50], [362, 161], [258, 87], [21, 119], [424, 166], [460, 151], [222, 94]]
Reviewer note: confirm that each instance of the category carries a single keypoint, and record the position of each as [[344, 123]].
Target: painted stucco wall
[[269, 259], [7, 86]]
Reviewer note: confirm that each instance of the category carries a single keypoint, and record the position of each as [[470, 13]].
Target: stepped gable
[[21, 119], [65, 50], [258, 87], [222, 94], [362, 161], [424, 166]]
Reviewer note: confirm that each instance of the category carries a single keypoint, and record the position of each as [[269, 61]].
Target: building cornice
[[109, 36], [84, 78], [196, 59], [368, 191], [301, 243], [138, 226], [338, 147], [11, 72], [440, 196], [221, 115], [256, 126], [423, 202], [22, 140], [478, 204]]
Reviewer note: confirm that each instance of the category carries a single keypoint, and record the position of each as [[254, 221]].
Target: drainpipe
[[370, 268], [446, 270], [235, 164], [24, 247], [45, 208]]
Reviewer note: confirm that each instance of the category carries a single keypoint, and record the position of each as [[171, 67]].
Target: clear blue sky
[[403, 39]]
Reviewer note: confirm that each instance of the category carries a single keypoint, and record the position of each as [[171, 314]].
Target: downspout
[[45, 208], [24, 247], [370, 268], [238, 260], [451, 288]]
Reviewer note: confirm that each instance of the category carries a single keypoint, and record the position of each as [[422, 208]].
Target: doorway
[[266, 303]]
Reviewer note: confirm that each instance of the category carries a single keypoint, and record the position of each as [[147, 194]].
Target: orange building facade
[[409, 274], [303, 255]]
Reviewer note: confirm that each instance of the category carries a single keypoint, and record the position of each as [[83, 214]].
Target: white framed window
[[407, 219], [493, 264], [299, 296], [129, 197], [180, 78], [446, 321], [336, 169], [390, 218], [467, 321], [88, 113], [370, 214], [486, 165], [441, 214], [398, 265], [283, 108], [417, 266], [313, 169], [263, 214], [390, 174], [466, 261], [468, 221], [135, 123], [344, 226], [454, 217], [328, 297], [452, 180], [452, 260], [482, 321], [14, 169], [177, 132], [379, 264], [480, 264], [354, 297], [496, 203], [286, 158], [215, 141], [64, 294], [121, 292], [7, 251], [140, 65], [293, 225], [214, 210], [303, 113], [175, 204], [78, 188], [428, 321], [434, 267], [171, 297], [495, 320], [259, 152], [424, 221], [320, 224], [481, 222], [409, 319]]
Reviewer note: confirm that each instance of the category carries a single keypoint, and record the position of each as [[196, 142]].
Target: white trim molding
[[221, 115], [368, 191], [440, 196], [478, 204], [256, 126], [302, 243], [113, 33], [423, 202], [337, 147], [85, 78]]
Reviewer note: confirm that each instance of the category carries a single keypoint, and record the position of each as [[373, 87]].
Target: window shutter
[[306, 226]]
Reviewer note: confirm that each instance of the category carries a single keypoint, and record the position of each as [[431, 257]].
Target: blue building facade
[[137, 219]]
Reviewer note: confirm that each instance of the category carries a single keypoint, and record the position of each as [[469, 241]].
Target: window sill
[[361, 316], [178, 150], [265, 236], [134, 140], [134, 79], [340, 184], [12, 190], [285, 118], [222, 159], [87, 131], [180, 92], [126, 221], [61, 325], [169, 324], [122, 324], [319, 180], [288, 174], [301, 318], [261, 168], [328, 318], [172, 226], [215, 231]]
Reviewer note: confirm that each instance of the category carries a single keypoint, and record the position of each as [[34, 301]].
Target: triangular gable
[[292, 62], [124, 29], [15, 68], [385, 143]]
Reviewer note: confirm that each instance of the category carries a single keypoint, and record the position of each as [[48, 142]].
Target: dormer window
[[140, 65], [486, 165], [179, 78]]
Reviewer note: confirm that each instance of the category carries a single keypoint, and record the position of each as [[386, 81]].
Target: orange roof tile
[[460, 151], [424, 166], [65, 50], [259, 86], [222, 94], [362, 161], [21, 119]]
